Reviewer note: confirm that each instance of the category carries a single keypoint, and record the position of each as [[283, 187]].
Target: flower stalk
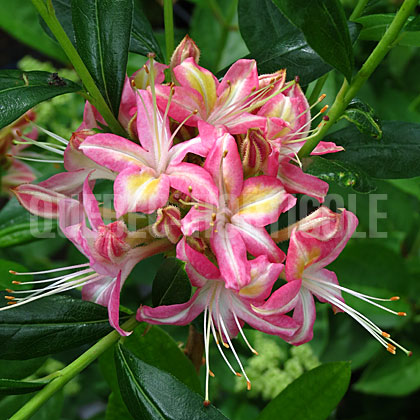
[[70, 371], [168, 16], [349, 91]]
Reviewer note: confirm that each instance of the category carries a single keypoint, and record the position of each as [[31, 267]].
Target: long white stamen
[[206, 343], [51, 134], [361, 296], [220, 349], [234, 353], [71, 267], [242, 333], [39, 160], [55, 148]]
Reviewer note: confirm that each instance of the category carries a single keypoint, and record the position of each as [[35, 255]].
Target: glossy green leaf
[[275, 43], [14, 387], [397, 155], [157, 348], [18, 226], [143, 40], [171, 284], [324, 24], [391, 375], [20, 369], [102, 30], [20, 19], [312, 396], [50, 325], [116, 408], [150, 393], [363, 117], [343, 173], [374, 27], [20, 91]]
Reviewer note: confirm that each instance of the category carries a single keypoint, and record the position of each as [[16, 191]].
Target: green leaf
[[143, 40], [102, 30], [18, 226], [20, 19], [312, 396], [13, 387], [397, 155], [374, 27], [20, 369], [6, 278], [285, 47], [363, 117], [150, 393], [344, 174], [20, 91], [157, 348], [50, 325], [116, 409], [391, 375], [324, 24], [171, 284]]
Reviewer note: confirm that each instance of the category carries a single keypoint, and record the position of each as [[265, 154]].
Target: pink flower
[[227, 103], [317, 241], [225, 310], [237, 222], [111, 250], [148, 171]]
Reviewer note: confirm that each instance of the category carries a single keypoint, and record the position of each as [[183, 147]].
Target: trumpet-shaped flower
[[237, 222], [111, 252], [315, 242], [148, 171], [225, 310], [227, 103]]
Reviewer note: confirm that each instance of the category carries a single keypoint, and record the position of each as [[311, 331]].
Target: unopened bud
[[186, 48]]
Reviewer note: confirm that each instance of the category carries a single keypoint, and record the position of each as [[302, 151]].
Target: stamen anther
[[248, 385], [324, 109], [206, 403], [385, 334], [394, 298], [12, 272], [16, 282], [12, 302], [402, 314], [10, 297], [322, 97], [211, 373]]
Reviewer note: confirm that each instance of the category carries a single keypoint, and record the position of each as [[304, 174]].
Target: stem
[[70, 371], [317, 88], [358, 10], [195, 347], [168, 16], [348, 92], [48, 14]]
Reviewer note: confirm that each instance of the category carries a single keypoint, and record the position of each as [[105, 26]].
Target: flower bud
[[168, 224], [110, 242], [185, 49], [254, 150]]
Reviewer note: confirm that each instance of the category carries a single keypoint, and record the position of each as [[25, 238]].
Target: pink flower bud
[[254, 150], [168, 224], [186, 48]]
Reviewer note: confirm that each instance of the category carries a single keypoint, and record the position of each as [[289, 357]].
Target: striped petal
[[262, 200], [140, 191], [230, 251], [114, 152]]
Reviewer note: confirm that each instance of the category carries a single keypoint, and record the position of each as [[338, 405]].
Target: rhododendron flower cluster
[[211, 163]]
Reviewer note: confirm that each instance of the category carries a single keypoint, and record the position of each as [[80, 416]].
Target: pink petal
[[178, 152], [263, 276], [38, 200], [127, 104], [17, 173], [324, 147], [296, 181], [196, 220], [91, 117], [258, 241], [114, 152], [181, 314], [230, 251], [91, 206], [262, 200], [142, 77], [194, 181], [141, 191], [152, 129], [189, 74], [114, 306], [304, 314], [224, 163], [186, 104]]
